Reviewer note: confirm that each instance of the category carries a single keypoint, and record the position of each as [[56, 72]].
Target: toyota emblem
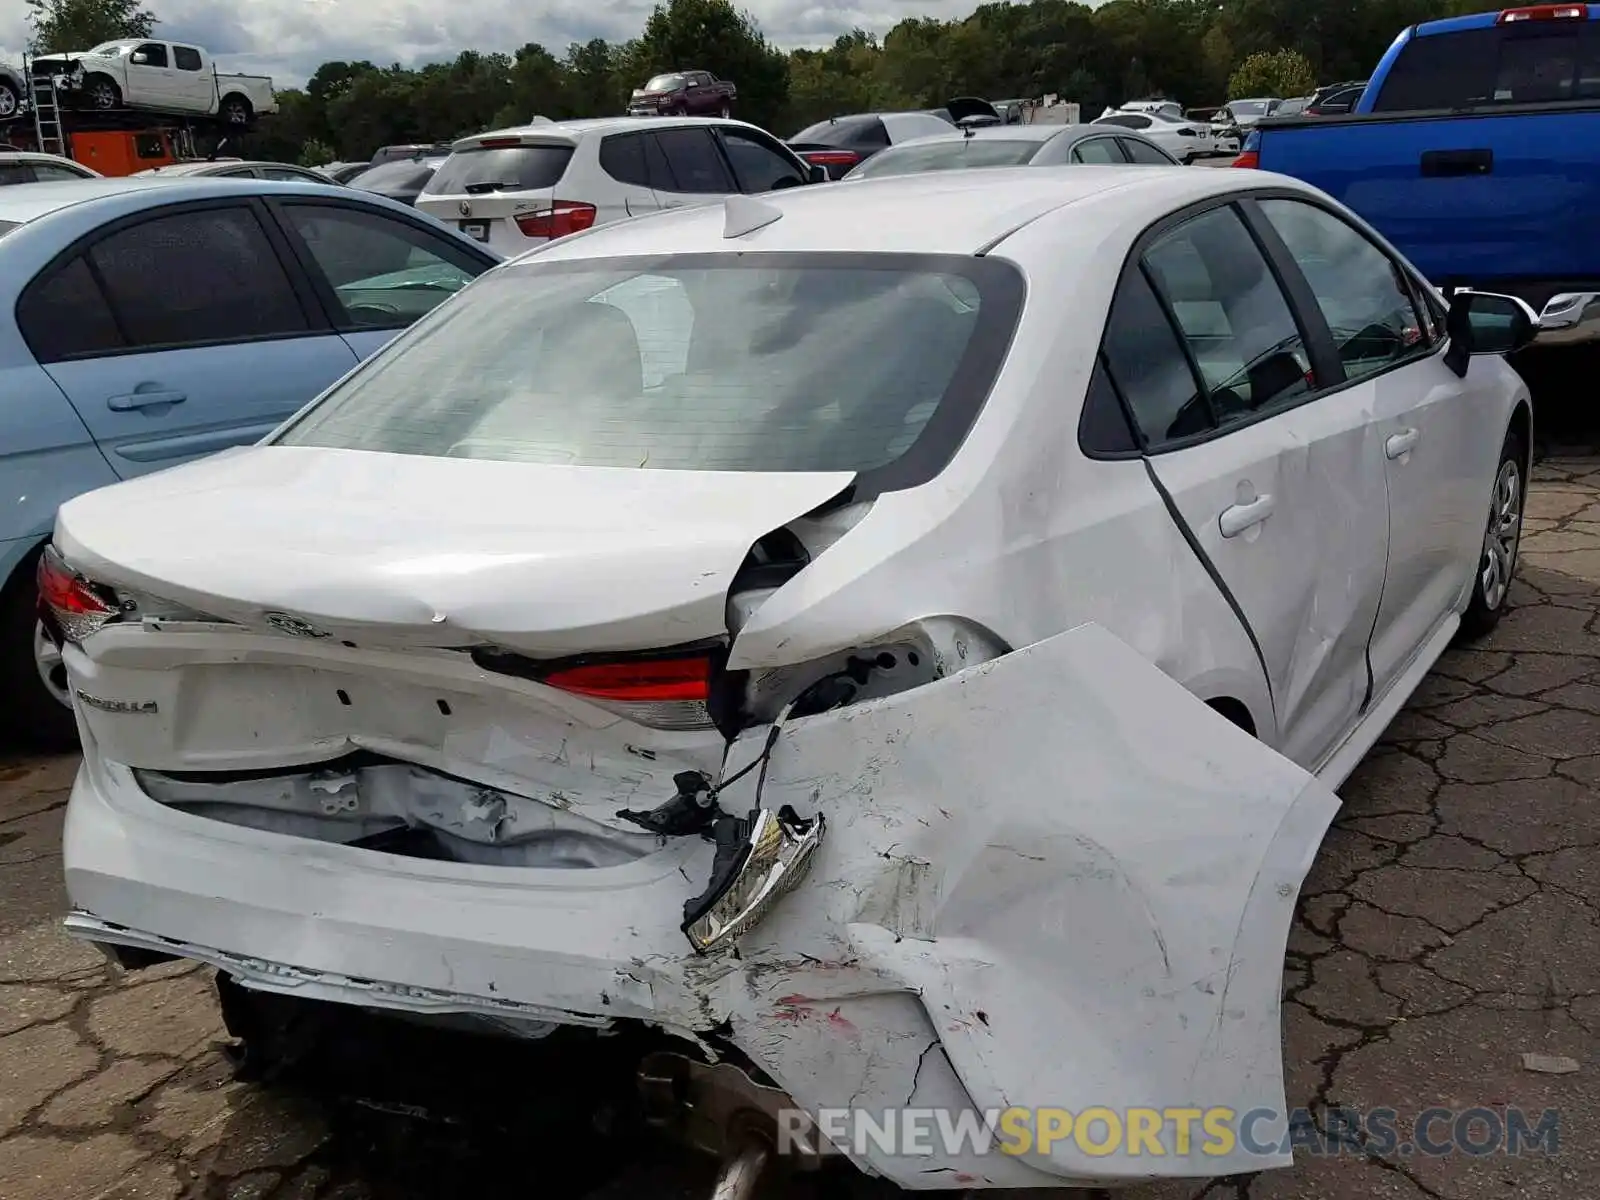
[[293, 625], [466, 209]]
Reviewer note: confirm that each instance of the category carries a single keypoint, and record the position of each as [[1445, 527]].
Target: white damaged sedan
[[890, 645]]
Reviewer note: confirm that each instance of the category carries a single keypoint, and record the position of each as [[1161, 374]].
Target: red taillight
[[561, 218], [638, 681], [832, 158], [1250, 158], [498, 143], [73, 604], [1544, 12]]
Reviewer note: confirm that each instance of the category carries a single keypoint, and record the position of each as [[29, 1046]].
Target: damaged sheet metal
[[1054, 879], [1085, 875]]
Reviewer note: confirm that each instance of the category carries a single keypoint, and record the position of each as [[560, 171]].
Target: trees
[[1280, 73], [1196, 51], [80, 24]]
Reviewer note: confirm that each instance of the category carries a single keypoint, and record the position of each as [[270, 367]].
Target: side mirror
[[816, 174], [139, 56], [692, 83], [1486, 323]]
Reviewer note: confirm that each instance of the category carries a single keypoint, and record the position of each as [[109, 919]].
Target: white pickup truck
[[162, 76]]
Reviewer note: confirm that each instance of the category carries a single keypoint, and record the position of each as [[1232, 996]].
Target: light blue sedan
[[144, 323]]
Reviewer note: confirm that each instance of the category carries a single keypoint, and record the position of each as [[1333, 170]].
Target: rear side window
[[1096, 150], [186, 58], [64, 315], [234, 287], [500, 169], [849, 133], [1143, 152], [1535, 62], [15, 172], [1149, 367], [1126, 120], [622, 158], [1234, 317]]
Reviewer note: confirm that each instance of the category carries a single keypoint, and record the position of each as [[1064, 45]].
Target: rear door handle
[[144, 400], [1401, 443], [1450, 164], [1238, 517]]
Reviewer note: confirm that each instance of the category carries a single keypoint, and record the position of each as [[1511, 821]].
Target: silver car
[[1014, 146]]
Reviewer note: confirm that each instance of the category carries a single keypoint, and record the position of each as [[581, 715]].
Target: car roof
[[201, 166], [940, 212], [1005, 133], [38, 200], [574, 131], [34, 156]]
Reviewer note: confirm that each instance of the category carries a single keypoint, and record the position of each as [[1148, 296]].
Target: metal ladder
[[46, 110]]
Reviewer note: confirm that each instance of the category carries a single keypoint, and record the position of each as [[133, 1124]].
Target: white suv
[[518, 188]]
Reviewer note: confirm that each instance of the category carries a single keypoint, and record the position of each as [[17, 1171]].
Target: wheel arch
[[1234, 710]]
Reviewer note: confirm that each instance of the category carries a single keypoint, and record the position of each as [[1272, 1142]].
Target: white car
[[1183, 139], [1013, 146], [519, 188], [952, 731], [27, 166]]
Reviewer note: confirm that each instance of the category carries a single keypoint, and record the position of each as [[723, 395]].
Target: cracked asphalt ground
[[1451, 925]]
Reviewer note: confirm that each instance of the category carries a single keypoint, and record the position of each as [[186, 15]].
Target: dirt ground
[[1450, 926]]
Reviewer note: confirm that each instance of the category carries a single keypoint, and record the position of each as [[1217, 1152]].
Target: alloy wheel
[[1502, 536]]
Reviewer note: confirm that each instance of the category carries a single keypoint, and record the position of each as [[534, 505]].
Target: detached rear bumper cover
[[1055, 880]]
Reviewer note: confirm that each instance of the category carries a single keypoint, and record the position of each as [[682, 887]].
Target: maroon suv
[[684, 94]]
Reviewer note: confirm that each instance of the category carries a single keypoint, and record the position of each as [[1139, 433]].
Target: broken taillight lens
[[71, 604], [664, 693]]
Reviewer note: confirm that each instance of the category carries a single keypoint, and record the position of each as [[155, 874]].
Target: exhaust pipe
[[719, 1109], [741, 1174]]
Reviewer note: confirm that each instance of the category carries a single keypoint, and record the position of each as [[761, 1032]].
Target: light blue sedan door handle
[[1238, 517], [144, 400]]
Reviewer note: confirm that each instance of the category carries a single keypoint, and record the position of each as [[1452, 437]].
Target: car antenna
[[746, 214]]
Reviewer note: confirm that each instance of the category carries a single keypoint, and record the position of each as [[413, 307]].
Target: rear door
[[375, 273], [689, 168], [1220, 371], [190, 77], [180, 332]]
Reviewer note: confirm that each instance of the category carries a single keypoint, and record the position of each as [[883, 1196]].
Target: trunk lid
[[417, 551]]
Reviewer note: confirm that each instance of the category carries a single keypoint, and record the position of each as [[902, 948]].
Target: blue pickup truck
[[1475, 149]]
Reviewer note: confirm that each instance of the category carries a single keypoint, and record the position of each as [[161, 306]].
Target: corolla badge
[[466, 209], [293, 625]]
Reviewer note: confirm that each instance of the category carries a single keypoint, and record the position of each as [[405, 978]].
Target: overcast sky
[[288, 39]]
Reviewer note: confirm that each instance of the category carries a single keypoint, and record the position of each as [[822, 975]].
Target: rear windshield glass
[[501, 169], [710, 362], [7, 226], [1248, 108], [947, 156], [852, 131], [1535, 62]]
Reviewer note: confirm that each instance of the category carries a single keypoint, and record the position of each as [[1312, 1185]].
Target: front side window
[[151, 54], [1232, 314], [55, 173], [688, 362], [234, 288], [1362, 292], [384, 273], [758, 166]]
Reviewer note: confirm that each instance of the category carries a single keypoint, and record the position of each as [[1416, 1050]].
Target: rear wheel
[[1502, 538], [726, 111], [235, 111], [9, 99], [31, 671]]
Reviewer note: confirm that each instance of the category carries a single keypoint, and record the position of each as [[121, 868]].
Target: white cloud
[[288, 39]]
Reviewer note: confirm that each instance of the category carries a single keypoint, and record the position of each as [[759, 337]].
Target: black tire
[[235, 111], [38, 720], [10, 101], [102, 92], [1495, 569], [726, 111]]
